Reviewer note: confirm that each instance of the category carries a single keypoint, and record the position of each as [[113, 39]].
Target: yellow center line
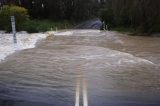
[[85, 96], [77, 92], [84, 91]]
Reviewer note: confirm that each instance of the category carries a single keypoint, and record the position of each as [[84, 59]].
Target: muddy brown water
[[112, 69]]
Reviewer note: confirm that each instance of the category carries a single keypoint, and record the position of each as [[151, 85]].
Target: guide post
[[13, 23]]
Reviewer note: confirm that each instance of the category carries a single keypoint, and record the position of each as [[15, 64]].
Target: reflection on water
[[113, 70]]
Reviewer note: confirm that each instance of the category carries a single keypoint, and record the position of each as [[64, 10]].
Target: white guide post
[[13, 23]]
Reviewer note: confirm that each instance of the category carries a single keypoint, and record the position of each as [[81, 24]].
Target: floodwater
[[84, 68]]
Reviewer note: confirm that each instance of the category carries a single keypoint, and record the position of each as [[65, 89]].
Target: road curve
[[91, 24]]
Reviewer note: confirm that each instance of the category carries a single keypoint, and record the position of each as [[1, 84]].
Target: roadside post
[[103, 23], [106, 27], [0, 6], [13, 23]]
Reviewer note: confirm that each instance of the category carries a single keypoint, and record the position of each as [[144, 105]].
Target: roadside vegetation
[[35, 26], [26, 23], [44, 15], [138, 16], [20, 13]]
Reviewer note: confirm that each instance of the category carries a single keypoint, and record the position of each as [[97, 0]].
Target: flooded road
[[84, 68]]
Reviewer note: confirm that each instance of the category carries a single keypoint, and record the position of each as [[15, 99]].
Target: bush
[[20, 13], [107, 17], [34, 26], [30, 26]]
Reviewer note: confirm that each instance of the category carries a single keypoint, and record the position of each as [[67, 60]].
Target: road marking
[[85, 96], [77, 92], [84, 92]]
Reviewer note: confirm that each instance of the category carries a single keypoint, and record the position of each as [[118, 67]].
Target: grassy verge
[[137, 31], [34, 26], [131, 31], [125, 30]]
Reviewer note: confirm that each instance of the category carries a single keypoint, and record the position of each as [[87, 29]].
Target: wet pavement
[[84, 68], [90, 24]]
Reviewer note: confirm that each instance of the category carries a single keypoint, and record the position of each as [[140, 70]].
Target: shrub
[[34, 26], [30, 26], [20, 13], [107, 17]]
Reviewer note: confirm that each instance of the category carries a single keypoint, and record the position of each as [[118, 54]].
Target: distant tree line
[[59, 9], [143, 15]]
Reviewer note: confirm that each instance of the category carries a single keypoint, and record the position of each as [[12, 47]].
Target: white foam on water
[[112, 56], [86, 31], [111, 36], [25, 41], [62, 33], [76, 33], [94, 53], [90, 57], [129, 58]]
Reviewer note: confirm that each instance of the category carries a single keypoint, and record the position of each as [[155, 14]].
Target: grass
[[138, 31], [34, 26], [124, 29], [131, 31]]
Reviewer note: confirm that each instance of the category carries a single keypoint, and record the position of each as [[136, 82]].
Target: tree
[[142, 15]]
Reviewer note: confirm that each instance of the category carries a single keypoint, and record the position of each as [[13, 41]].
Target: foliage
[[125, 29], [20, 13], [107, 17], [142, 15], [24, 23], [34, 26], [61, 9]]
